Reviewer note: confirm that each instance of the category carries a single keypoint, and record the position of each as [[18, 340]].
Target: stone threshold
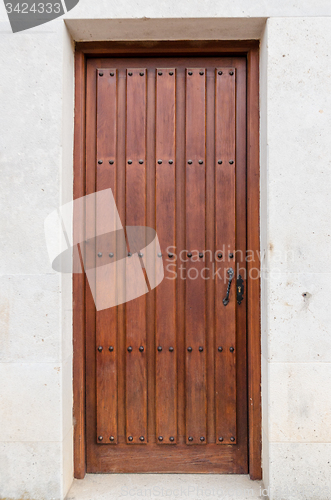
[[166, 486]]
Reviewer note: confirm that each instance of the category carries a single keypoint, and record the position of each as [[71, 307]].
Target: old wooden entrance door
[[166, 372]]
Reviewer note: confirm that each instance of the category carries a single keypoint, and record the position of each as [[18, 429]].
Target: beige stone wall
[[296, 159], [36, 127]]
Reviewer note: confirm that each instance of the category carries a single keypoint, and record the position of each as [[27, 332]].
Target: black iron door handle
[[231, 275]]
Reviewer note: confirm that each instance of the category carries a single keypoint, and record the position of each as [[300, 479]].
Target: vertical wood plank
[[106, 320], [180, 243], [209, 257], [225, 239], [166, 348], [121, 249], [150, 221], [136, 366], [253, 285], [78, 280], [195, 306], [90, 231]]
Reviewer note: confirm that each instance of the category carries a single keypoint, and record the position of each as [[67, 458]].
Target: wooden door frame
[[250, 50]]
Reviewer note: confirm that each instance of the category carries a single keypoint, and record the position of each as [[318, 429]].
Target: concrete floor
[[166, 486]]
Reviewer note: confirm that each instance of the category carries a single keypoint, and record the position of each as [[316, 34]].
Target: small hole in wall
[[304, 294]]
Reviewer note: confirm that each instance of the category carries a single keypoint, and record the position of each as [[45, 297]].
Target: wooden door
[[166, 372]]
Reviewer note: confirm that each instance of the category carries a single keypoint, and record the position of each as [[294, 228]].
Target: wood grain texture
[[78, 283], [195, 292], [209, 258], [253, 285], [136, 361], [165, 206], [90, 312], [175, 48], [225, 238], [106, 319], [152, 457], [121, 249]]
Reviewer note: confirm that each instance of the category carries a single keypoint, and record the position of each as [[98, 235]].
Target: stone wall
[[36, 130]]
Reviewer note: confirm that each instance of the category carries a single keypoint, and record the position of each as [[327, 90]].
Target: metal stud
[[130, 73], [140, 254], [160, 73], [100, 162], [190, 162], [189, 349], [159, 254], [190, 73], [220, 72], [201, 255], [159, 348], [231, 349], [171, 73], [200, 162], [231, 255], [159, 162], [231, 162], [220, 439], [231, 73], [202, 438], [200, 349], [232, 438], [189, 255], [100, 74], [130, 438], [220, 349], [111, 348], [171, 349], [111, 162], [130, 162], [141, 162], [111, 73], [100, 348], [171, 162], [129, 254], [111, 438], [129, 349], [100, 438], [201, 73], [142, 438], [99, 254], [111, 254], [141, 348], [220, 162], [219, 255], [190, 438], [172, 439], [160, 438], [170, 255], [141, 74]]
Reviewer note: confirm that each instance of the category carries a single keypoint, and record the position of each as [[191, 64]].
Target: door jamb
[[249, 49]]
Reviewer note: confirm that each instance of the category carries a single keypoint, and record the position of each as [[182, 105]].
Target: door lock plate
[[240, 289]]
